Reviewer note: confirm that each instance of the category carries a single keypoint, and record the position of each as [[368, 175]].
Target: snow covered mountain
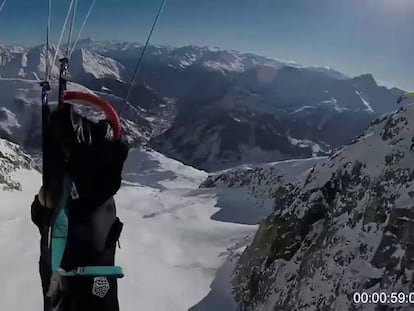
[[171, 248], [345, 228], [191, 235], [85, 62], [13, 161], [267, 114], [338, 225], [20, 113], [256, 185], [214, 108]]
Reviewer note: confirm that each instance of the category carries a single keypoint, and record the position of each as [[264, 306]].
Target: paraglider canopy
[[405, 96]]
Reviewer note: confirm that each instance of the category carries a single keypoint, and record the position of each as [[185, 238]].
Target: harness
[[59, 231], [58, 244]]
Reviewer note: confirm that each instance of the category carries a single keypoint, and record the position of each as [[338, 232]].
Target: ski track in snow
[[170, 259]]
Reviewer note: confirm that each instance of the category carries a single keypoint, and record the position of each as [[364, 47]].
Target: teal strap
[[95, 271], [60, 227], [58, 244]]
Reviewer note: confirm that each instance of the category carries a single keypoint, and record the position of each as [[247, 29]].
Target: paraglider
[[75, 209]]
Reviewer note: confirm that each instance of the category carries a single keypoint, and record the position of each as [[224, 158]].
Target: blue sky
[[352, 36]]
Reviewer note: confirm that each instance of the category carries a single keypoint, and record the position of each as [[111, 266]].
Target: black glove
[[96, 169], [91, 158]]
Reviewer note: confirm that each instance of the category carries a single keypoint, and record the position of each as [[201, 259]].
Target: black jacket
[[91, 241]]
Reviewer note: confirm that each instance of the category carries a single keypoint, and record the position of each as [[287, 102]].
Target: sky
[[352, 36]]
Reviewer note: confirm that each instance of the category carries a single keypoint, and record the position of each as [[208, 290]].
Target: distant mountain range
[[207, 107]]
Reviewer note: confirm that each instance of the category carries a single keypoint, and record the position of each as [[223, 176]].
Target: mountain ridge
[[248, 107], [345, 228]]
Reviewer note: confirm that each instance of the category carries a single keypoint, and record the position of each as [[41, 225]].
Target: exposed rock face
[[12, 158], [346, 228], [263, 180]]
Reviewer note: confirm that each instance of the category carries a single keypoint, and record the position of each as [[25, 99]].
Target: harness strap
[[58, 244], [60, 227], [94, 271]]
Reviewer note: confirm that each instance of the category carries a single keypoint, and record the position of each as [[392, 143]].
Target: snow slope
[[18, 260], [89, 62], [171, 248], [256, 185]]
